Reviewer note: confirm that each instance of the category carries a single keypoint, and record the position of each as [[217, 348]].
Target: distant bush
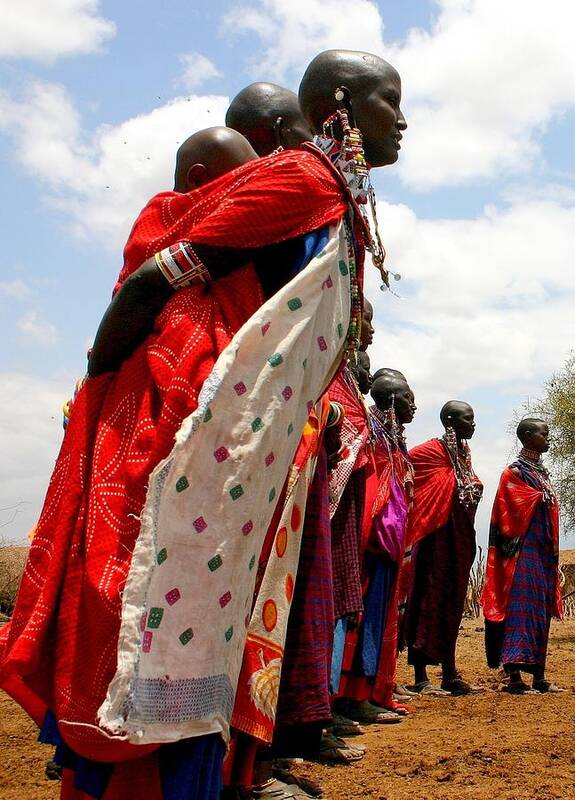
[[12, 560], [472, 601]]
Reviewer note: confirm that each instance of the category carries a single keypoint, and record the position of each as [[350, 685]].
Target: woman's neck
[[530, 455]]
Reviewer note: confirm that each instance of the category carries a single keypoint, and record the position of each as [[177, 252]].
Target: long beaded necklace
[[348, 157], [531, 461], [393, 435], [354, 329], [469, 487]]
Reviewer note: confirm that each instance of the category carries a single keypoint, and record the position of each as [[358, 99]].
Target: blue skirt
[[526, 627]]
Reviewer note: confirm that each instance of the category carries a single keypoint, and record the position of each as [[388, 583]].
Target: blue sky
[[478, 215]]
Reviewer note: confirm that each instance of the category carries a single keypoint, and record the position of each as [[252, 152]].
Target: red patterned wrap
[[513, 509], [433, 489], [59, 651]]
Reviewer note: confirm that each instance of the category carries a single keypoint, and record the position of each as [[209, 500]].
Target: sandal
[[371, 714], [337, 751], [403, 691], [458, 687], [517, 687], [426, 687], [309, 786], [278, 790], [402, 709], [53, 771], [544, 687], [343, 726]]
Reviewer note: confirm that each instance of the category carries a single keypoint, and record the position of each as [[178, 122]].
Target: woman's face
[[539, 440], [367, 329], [379, 118], [405, 407], [362, 372], [463, 422]]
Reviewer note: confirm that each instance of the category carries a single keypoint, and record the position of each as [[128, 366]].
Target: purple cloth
[[441, 563], [388, 533]]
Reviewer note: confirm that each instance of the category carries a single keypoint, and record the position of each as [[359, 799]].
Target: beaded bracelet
[[335, 415], [181, 266]]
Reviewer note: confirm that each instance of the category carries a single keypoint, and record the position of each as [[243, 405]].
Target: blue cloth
[[526, 626], [192, 769], [309, 246], [337, 655], [91, 777], [189, 770], [376, 603]]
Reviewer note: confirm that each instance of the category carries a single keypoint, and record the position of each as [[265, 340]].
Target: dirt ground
[[490, 745]]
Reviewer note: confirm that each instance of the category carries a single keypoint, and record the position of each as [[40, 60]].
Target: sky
[[478, 215]]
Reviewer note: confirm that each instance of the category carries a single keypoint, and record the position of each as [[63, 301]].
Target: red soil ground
[[490, 745]]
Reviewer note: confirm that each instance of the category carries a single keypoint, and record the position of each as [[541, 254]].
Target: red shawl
[[433, 490], [513, 509], [342, 391], [59, 651], [263, 202]]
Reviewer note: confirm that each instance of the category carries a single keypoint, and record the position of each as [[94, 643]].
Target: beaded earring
[[277, 129], [451, 439], [351, 157], [391, 421], [353, 165]]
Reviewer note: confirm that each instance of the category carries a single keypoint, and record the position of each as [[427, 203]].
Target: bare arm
[[130, 316]]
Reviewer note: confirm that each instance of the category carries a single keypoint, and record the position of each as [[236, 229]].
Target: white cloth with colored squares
[[188, 597]]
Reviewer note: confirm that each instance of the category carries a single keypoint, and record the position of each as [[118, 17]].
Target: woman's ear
[[196, 176]]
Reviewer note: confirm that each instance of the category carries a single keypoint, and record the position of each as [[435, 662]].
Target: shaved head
[[268, 116], [208, 155], [367, 330], [386, 372], [459, 415], [374, 89], [359, 72], [392, 390], [453, 409], [360, 370], [385, 388]]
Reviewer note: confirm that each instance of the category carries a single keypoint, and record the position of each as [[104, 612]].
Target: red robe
[[513, 508], [59, 652], [433, 489]]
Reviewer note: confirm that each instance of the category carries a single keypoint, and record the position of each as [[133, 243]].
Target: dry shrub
[[568, 588], [472, 601], [12, 560]]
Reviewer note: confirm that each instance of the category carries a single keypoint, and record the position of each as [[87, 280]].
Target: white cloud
[[489, 299], [101, 179], [36, 330], [480, 87], [31, 433], [197, 70], [45, 30], [486, 315], [14, 290], [292, 32]]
